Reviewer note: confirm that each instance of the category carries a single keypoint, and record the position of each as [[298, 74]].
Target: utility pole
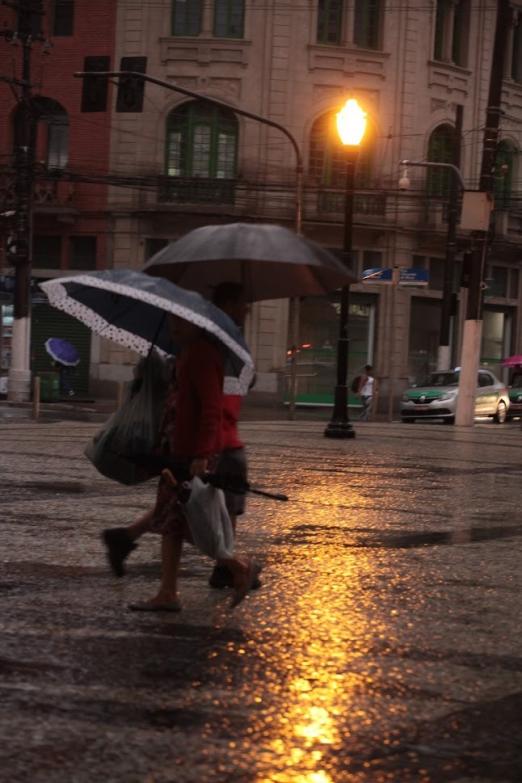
[[444, 357], [472, 334], [19, 380]]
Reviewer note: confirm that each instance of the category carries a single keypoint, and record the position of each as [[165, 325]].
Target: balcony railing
[[266, 199], [53, 194], [332, 202], [196, 190]]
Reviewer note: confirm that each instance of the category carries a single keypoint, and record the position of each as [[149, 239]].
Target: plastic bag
[[208, 520], [120, 450]]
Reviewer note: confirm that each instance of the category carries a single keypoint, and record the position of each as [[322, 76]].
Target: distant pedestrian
[[516, 377], [64, 372], [366, 392]]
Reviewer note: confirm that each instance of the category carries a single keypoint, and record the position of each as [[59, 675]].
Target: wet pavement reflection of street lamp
[[351, 126]]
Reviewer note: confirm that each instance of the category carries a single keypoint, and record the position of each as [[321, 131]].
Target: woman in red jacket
[[195, 441]]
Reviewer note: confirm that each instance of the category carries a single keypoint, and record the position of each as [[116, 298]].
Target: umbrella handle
[[271, 495], [158, 330]]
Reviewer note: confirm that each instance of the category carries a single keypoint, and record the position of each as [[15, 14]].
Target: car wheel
[[501, 414]]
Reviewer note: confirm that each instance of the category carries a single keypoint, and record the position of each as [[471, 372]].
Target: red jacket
[[197, 430], [231, 409]]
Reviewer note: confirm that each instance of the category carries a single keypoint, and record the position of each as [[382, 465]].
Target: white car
[[436, 397]]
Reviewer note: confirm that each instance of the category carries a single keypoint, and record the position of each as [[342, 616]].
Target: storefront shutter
[[48, 322]]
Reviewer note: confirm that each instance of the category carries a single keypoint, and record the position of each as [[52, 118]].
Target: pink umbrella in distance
[[512, 361]]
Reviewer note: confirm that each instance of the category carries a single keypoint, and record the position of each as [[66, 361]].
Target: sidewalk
[[383, 647]]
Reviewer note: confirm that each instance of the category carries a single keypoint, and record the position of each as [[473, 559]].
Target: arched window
[[504, 171], [327, 169], [51, 125], [327, 164], [201, 143], [441, 149]]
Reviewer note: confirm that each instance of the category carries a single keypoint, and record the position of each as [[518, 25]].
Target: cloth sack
[[208, 520], [120, 450]]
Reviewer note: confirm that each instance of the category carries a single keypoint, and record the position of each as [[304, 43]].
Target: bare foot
[[243, 581], [160, 603]]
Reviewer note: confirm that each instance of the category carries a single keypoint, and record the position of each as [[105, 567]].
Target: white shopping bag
[[208, 520]]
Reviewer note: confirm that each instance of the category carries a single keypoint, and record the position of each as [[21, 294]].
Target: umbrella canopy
[[129, 308], [269, 261], [512, 361], [62, 351]]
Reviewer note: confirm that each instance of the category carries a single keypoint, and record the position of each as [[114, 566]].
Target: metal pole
[[472, 335], [36, 397], [443, 356], [391, 374], [295, 304], [19, 380], [339, 426]]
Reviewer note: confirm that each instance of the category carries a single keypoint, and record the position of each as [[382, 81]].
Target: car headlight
[[405, 398], [450, 395]]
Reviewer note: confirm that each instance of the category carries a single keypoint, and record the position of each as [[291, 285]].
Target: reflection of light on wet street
[[310, 664]]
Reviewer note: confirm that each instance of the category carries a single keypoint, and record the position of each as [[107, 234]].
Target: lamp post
[[351, 126]]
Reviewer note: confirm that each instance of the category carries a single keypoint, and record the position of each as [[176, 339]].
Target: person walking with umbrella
[[195, 443], [130, 308], [65, 357], [231, 465]]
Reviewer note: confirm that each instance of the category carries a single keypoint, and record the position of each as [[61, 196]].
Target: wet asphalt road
[[383, 646]]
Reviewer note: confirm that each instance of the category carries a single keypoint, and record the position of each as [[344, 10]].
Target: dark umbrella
[[270, 262], [129, 308]]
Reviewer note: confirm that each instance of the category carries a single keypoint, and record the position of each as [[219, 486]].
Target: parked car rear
[[436, 397]]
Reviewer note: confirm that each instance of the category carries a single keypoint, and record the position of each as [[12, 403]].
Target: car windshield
[[441, 379]]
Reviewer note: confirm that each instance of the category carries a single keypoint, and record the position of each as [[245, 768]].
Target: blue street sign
[[414, 275], [377, 275]]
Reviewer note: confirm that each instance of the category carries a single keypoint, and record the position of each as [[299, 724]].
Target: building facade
[[177, 162], [410, 66], [71, 223]]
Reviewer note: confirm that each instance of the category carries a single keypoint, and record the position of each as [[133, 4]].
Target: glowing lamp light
[[351, 123]]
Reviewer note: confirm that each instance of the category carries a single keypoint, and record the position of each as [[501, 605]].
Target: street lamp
[[351, 126]]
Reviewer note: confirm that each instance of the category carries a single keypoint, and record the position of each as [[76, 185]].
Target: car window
[[485, 379], [441, 379]]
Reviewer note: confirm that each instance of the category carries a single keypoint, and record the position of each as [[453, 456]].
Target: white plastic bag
[[119, 451], [208, 520]]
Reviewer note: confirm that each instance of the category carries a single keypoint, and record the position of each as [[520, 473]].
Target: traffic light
[[131, 89], [95, 88]]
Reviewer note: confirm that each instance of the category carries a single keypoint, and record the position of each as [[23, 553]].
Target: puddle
[[443, 538]]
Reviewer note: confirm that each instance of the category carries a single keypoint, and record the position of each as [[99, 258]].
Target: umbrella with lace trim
[[129, 308]]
